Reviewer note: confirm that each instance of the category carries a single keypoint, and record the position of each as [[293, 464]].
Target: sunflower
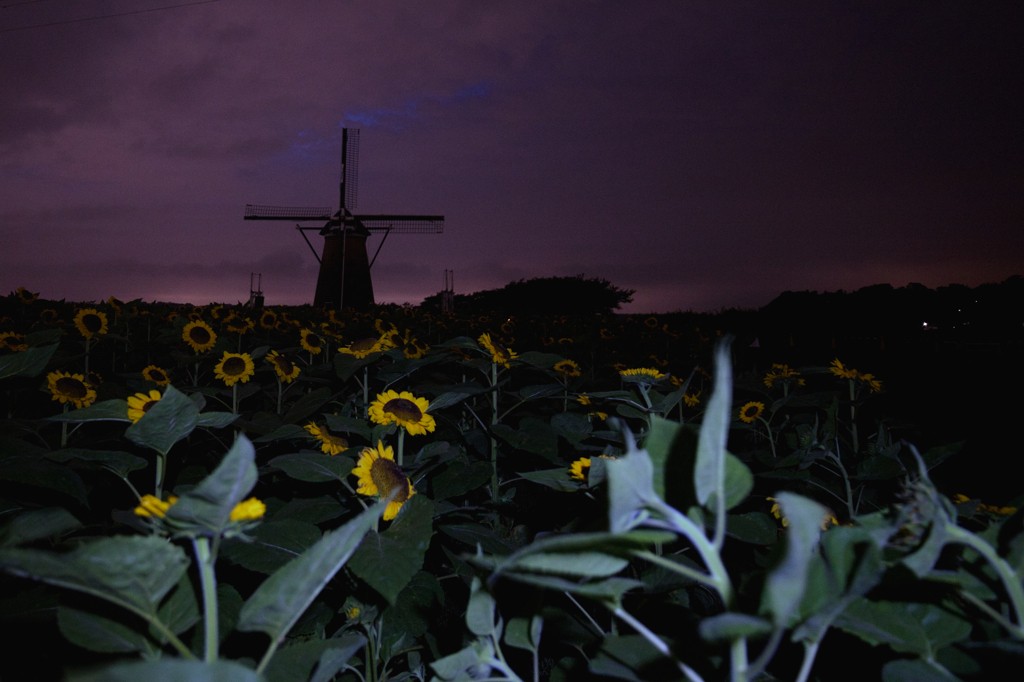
[[330, 444], [310, 341], [115, 304], [568, 368], [379, 474], [268, 319], [499, 354], [48, 316], [199, 335], [156, 375], [90, 322], [239, 325], [583, 399], [414, 349], [12, 341], [150, 505], [93, 379], [249, 510], [70, 388], [215, 311], [780, 372], [691, 399], [642, 375], [403, 409], [362, 347], [750, 412], [234, 367], [874, 384], [651, 322], [842, 372], [25, 296], [605, 334], [286, 370], [580, 469], [140, 403]]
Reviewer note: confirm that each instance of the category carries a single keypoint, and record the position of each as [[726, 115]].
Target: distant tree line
[[578, 295]]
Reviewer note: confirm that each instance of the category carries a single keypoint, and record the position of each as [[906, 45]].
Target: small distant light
[[924, 324]]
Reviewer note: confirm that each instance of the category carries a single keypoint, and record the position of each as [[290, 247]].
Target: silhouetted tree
[[544, 296]]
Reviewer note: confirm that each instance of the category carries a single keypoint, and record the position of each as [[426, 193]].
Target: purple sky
[[706, 154]]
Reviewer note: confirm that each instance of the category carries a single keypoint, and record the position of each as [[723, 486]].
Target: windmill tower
[[344, 279]]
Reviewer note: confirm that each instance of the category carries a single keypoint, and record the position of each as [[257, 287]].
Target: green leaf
[[937, 455], [524, 634], [36, 471], [107, 410], [659, 445], [282, 598], [558, 479], [310, 510], [460, 476], [274, 544], [209, 504], [121, 463], [739, 481], [387, 561], [294, 663], [542, 360], [229, 603], [26, 363], [581, 564], [97, 633], [285, 432], [907, 627], [349, 425], [630, 487], [572, 426], [135, 572], [314, 467], [173, 418], [336, 655], [216, 420], [474, 534], [307, 405], [37, 524], [409, 617], [785, 585], [179, 612], [730, 626], [710, 470], [449, 398], [756, 528], [916, 670], [171, 670], [609, 590], [345, 365], [480, 611], [631, 412], [533, 436]]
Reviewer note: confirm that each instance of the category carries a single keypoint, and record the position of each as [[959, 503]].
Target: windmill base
[[351, 251]]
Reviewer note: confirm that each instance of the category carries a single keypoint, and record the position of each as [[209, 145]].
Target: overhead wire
[[103, 16]]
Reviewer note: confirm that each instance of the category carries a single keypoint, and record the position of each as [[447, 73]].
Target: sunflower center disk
[[403, 409], [284, 365], [333, 438], [148, 404], [387, 476], [72, 387], [200, 335], [92, 322], [234, 366], [313, 340], [363, 344]]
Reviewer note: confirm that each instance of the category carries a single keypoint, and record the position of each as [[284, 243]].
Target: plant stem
[[738, 659], [401, 445], [161, 465], [494, 441], [846, 480], [853, 417], [657, 643], [366, 392], [280, 390], [64, 429], [810, 651], [234, 398], [87, 357], [209, 582], [771, 437], [1011, 582]]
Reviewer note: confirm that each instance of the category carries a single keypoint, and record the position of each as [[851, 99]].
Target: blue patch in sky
[[392, 118]]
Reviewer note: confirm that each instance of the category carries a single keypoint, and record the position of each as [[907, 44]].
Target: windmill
[[344, 278]]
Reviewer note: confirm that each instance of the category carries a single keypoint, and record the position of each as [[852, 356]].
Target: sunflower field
[[295, 495]]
